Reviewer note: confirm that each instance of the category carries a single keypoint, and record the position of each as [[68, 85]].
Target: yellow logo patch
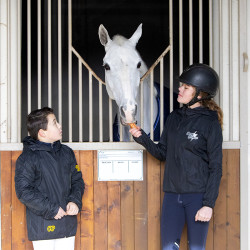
[[51, 228], [77, 168]]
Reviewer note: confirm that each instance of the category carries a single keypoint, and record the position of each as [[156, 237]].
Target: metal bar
[[162, 95], [190, 32], [8, 120], [59, 61], [100, 114], [19, 96], [70, 68], [200, 32], [231, 88], [110, 121], [142, 106], [151, 105], [211, 45], [90, 108], [87, 66], [39, 55], [155, 64], [49, 55], [171, 89], [80, 99], [29, 53], [180, 37]]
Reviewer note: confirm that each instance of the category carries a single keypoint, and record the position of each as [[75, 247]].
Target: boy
[[49, 183]]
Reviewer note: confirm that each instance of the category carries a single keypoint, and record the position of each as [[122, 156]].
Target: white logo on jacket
[[192, 136]]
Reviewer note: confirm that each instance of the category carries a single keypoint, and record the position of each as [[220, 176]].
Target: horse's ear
[[137, 35], [103, 35]]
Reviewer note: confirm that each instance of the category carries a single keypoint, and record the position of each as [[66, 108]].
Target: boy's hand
[[60, 214], [72, 209]]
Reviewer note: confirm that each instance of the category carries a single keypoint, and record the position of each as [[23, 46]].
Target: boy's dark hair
[[37, 120]]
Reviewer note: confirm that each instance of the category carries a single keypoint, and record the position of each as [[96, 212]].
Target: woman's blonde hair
[[212, 105]]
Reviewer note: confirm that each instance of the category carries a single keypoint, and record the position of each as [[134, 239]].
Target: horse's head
[[123, 69]]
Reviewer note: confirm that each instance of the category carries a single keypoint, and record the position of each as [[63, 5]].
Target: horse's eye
[[138, 65], [106, 66]]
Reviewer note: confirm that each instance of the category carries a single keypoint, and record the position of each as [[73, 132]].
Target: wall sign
[[120, 165]]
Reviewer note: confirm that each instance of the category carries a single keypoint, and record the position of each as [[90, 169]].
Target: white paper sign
[[120, 165]]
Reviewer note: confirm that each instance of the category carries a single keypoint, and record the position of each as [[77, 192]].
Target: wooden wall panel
[[125, 215]]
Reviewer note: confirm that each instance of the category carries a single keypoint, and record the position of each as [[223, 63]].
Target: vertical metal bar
[[49, 54], [80, 98], [180, 37], [100, 114], [19, 74], [8, 73], [70, 68], [151, 105], [29, 53], [161, 94], [60, 61], [39, 55], [231, 88], [211, 59], [200, 32], [171, 53], [141, 105], [190, 32], [110, 121], [90, 108], [120, 129]]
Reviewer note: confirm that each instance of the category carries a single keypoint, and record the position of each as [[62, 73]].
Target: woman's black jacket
[[191, 145], [47, 177]]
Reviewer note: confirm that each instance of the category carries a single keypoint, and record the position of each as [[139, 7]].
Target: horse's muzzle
[[128, 114]]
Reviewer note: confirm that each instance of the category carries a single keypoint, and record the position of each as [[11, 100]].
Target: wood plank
[[141, 215], [210, 234], [18, 213], [233, 199], [78, 232], [6, 202], [87, 214], [220, 209], [127, 215], [100, 210], [184, 239], [154, 202], [114, 215]]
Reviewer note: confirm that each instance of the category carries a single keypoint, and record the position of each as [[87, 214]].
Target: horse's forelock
[[119, 40]]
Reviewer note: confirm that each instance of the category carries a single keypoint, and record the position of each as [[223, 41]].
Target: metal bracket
[[245, 64]]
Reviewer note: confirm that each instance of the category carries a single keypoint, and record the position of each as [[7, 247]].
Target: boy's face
[[53, 132]]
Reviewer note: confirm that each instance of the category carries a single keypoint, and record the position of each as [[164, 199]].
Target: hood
[[31, 144], [185, 111]]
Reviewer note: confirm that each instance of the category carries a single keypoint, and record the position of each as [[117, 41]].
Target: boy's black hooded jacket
[[191, 144], [47, 177]]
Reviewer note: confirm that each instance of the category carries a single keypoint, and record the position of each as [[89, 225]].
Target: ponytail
[[212, 105]]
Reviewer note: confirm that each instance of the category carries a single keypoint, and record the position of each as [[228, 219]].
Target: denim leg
[[172, 221]]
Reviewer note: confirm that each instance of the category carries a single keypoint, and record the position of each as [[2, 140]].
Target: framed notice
[[120, 165]]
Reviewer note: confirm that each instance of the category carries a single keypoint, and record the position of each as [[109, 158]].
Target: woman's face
[[186, 93]]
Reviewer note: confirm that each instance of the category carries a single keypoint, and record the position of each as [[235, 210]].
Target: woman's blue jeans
[[176, 210]]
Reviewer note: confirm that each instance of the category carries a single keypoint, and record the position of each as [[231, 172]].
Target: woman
[[191, 145]]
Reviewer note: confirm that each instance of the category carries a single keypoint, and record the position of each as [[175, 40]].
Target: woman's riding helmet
[[203, 78]]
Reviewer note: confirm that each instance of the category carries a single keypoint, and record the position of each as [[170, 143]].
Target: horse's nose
[[128, 112]]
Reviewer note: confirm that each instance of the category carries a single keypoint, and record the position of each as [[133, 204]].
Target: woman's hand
[[136, 131], [204, 214]]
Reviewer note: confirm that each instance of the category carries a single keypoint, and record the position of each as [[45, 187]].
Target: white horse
[[123, 69]]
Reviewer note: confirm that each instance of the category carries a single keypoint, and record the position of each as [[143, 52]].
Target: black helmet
[[203, 78]]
